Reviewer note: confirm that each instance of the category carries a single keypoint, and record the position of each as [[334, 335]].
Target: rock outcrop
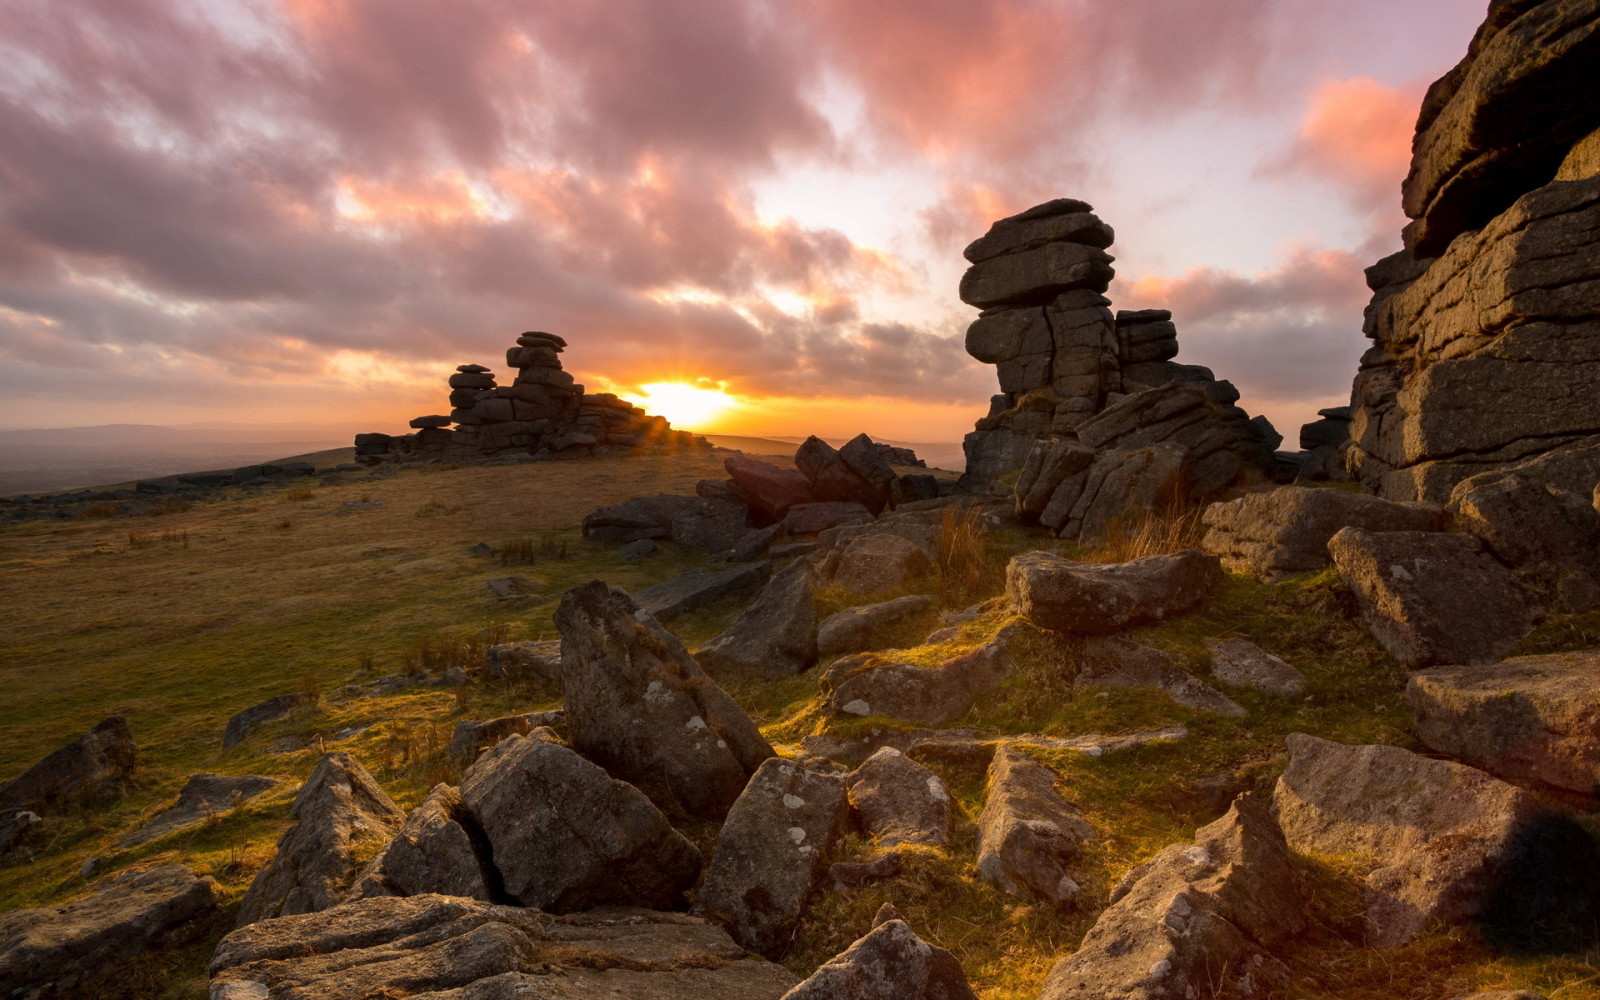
[[92, 769], [776, 635], [640, 706], [1285, 531], [259, 714], [1484, 337], [1028, 835], [440, 849], [1244, 664], [865, 626], [1056, 593]]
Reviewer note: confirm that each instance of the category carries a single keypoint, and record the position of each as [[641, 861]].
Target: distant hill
[[939, 454]]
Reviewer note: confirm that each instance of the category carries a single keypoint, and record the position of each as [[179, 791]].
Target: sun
[[686, 407]]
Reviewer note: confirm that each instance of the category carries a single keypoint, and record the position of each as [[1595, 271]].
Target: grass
[[177, 630]]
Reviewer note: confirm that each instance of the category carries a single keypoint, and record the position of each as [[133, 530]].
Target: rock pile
[[542, 413], [1484, 333], [1071, 372]]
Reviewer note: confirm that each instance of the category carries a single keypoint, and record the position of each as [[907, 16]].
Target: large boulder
[[55, 950], [1431, 598], [1528, 719], [1285, 531], [340, 815], [204, 797], [1119, 485], [1439, 839], [776, 636], [1551, 533], [640, 706], [462, 949], [1198, 919], [889, 963], [92, 769], [1059, 594], [565, 836], [768, 489], [879, 561], [898, 801], [440, 849], [471, 736], [929, 695], [865, 626], [772, 853], [1028, 835]]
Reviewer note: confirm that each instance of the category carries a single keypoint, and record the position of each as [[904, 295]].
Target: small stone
[[1244, 664]]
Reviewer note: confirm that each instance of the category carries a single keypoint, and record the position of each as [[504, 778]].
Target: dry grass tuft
[[966, 571], [527, 551], [1142, 533], [298, 496], [436, 507]]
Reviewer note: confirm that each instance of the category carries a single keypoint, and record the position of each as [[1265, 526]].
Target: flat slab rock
[[460, 949], [1116, 662], [1279, 533], [259, 714], [63, 947], [1527, 719], [1244, 664], [863, 627], [776, 635], [1059, 594], [203, 796], [1194, 917], [909, 693], [697, 588]]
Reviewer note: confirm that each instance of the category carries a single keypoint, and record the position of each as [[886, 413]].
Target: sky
[[313, 210]]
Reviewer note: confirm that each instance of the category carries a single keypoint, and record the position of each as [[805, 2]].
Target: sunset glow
[[686, 407]]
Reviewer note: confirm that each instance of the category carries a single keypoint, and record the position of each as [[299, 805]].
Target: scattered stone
[[260, 714], [471, 738], [1056, 593], [1115, 662], [452, 948], [1437, 835], [873, 563], [776, 636], [1285, 531], [1244, 664], [339, 814], [94, 768], [928, 695], [511, 588], [889, 963], [697, 588], [1528, 719], [439, 849], [638, 519], [1432, 598], [204, 796], [1028, 835], [538, 662], [17, 826], [640, 706], [635, 551], [847, 875], [772, 853], [855, 629], [565, 836], [898, 801], [1195, 919]]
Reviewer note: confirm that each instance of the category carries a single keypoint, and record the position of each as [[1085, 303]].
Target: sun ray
[[688, 407]]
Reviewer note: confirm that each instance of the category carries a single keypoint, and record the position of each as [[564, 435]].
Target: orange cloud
[[446, 197], [1357, 134]]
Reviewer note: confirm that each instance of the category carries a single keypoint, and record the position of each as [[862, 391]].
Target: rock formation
[[1484, 333], [542, 413]]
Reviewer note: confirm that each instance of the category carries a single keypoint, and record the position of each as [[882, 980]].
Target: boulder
[[640, 706], [898, 801], [815, 518], [340, 814], [536, 662], [1431, 598], [638, 518], [1244, 664], [1028, 835], [873, 563], [56, 950], [1285, 531], [262, 712], [440, 849], [204, 796], [1223, 444], [697, 588], [1120, 484], [462, 949], [1115, 662], [470, 738], [1055, 593], [94, 768], [865, 459], [1526, 523], [929, 695], [772, 853], [768, 489], [776, 636], [1527, 719], [1064, 220], [1437, 837], [889, 963], [565, 836], [712, 526], [632, 552], [1198, 919], [1035, 276], [865, 626]]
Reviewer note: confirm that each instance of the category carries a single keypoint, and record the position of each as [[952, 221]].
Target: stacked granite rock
[[1076, 379], [1484, 330], [543, 412]]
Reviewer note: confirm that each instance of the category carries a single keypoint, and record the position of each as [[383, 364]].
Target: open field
[[180, 620]]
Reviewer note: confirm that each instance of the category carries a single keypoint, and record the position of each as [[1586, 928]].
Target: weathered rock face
[[697, 588], [1193, 919], [929, 695], [240, 725], [1432, 598], [855, 629], [462, 949], [565, 836], [1554, 534], [1115, 662], [58, 949], [1528, 719], [1117, 485], [92, 769], [470, 738], [768, 489], [776, 636], [203, 796], [1285, 531], [772, 852], [440, 849], [898, 801], [713, 525], [1056, 593], [340, 812], [878, 561], [1028, 835], [1483, 329], [640, 706], [1440, 836], [889, 963]]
